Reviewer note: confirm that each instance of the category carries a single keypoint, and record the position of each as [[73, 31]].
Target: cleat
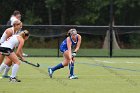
[[73, 77], [24, 55], [50, 72], [14, 80], [5, 76]]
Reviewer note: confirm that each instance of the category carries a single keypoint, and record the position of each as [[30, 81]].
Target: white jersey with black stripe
[[4, 36], [11, 42]]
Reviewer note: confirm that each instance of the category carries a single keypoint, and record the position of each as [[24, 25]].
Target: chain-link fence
[[46, 39]]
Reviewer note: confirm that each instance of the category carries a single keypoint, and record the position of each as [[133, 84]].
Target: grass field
[[84, 52], [96, 75]]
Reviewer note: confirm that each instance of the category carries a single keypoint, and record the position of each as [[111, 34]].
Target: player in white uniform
[[6, 49], [15, 16], [8, 33], [11, 31]]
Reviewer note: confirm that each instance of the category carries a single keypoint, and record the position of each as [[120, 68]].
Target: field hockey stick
[[35, 65]]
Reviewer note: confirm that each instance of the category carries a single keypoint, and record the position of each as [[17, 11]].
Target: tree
[[80, 12], [31, 18], [56, 6], [126, 12]]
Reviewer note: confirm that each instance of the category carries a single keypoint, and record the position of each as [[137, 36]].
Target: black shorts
[[5, 51]]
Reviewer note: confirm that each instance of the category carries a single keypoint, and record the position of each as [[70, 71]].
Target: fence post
[[58, 42], [111, 28]]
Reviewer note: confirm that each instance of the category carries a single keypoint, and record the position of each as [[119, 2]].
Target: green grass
[[54, 52], [84, 52], [96, 75]]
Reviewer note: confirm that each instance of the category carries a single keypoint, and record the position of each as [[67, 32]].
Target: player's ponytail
[[24, 33]]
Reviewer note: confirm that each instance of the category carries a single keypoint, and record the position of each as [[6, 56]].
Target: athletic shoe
[[50, 72], [73, 77], [5, 76], [25, 55], [14, 79]]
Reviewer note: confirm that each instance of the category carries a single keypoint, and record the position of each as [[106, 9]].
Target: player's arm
[[78, 43], [19, 49], [21, 52], [8, 33], [69, 46]]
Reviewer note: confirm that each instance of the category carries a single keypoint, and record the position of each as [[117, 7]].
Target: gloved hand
[[73, 54], [22, 59]]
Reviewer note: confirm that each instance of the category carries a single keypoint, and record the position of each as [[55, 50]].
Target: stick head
[[37, 65]]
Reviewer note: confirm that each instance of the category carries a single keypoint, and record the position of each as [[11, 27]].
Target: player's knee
[[66, 64], [69, 59], [17, 62]]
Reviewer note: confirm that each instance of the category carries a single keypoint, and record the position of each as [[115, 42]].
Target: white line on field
[[128, 62], [86, 75], [104, 61]]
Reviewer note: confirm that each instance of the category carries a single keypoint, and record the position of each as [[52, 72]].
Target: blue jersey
[[63, 46]]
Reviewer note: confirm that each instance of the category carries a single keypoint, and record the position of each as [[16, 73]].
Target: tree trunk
[[63, 13], [50, 15]]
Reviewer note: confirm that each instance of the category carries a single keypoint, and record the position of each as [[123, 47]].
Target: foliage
[[74, 12], [31, 19], [80, 12]]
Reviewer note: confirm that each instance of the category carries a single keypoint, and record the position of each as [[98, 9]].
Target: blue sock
[[71, 69], [57, 67]]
